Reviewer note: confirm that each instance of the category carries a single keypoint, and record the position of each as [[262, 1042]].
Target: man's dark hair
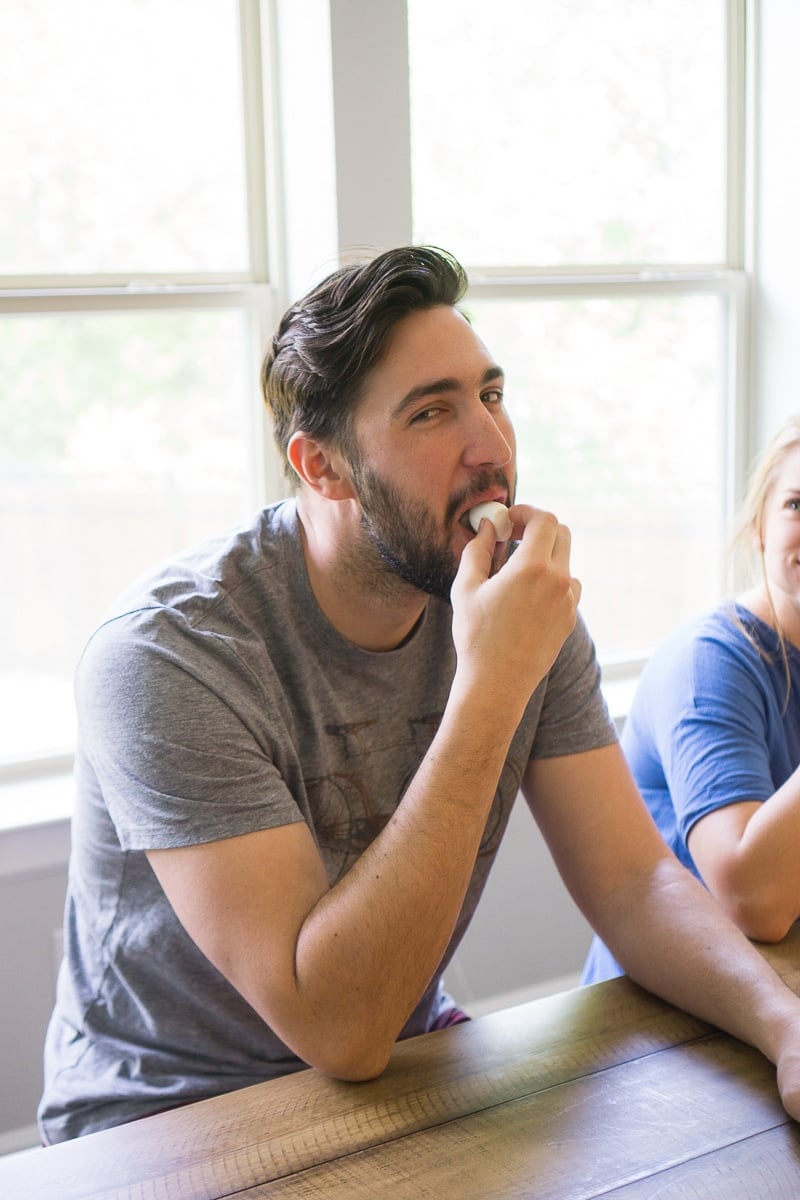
[[325, 344]]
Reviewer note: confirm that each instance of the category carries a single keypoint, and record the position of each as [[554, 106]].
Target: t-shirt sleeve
[[712, 741], [574, 716], [179, 734]]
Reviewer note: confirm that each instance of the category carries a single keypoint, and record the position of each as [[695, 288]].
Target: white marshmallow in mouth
[[496, 513]]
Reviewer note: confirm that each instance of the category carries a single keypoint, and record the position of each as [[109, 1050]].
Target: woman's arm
[[749, 855]]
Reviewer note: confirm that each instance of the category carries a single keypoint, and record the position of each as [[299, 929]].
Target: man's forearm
[[671, 939], [370, 946]]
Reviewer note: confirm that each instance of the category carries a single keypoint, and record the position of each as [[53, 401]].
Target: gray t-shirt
[[218, 701]]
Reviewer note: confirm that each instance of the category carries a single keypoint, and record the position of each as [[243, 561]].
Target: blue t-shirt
[[710, 725]]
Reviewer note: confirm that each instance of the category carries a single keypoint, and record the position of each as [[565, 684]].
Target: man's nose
[[486, 442]]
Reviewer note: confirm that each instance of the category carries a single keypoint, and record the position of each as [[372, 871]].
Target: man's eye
[[425, 414], [493, 396]]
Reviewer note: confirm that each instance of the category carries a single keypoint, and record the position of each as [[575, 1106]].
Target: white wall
[[776, 298], [31, 905], [527, 938]]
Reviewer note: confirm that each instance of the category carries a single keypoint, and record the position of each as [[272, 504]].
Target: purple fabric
[[449, 1016]]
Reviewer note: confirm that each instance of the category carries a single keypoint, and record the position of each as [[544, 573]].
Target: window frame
[[366, 196], [381, 117], [253, 293]]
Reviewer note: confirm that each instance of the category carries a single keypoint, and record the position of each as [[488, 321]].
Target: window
[[581, 158], [617, 405], [133, 310], [582, 132]]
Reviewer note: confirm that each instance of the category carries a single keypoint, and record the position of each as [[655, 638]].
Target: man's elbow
[[353, 1053], [353, 1064], [343, 1045]]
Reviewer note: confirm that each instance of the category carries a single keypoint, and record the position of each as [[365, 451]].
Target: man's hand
[[661, 924], [787, 1060], [508, 627]]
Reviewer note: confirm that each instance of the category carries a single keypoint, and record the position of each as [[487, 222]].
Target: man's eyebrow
[[438, 387]]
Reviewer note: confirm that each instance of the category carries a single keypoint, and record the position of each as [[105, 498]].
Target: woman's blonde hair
[[747, 544]]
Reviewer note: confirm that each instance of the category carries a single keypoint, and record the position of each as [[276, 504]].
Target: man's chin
[[433, 580], [432, 585]]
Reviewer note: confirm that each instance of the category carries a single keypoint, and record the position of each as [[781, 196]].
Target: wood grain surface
[[599, 1091]]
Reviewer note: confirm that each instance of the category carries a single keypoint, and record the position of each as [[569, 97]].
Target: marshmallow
[[496, 513]]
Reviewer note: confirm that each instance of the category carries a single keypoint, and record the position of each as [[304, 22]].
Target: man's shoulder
[[220, 565], [227, 582]]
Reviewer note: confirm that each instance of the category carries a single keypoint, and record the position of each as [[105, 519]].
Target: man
[[297, 758]]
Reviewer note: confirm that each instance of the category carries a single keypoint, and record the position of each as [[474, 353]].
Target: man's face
[[432, 439]]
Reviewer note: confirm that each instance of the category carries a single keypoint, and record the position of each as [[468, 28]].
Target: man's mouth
[[476, 501], [497, 513]]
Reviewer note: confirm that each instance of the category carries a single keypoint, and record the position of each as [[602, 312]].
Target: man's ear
[[320, 467]]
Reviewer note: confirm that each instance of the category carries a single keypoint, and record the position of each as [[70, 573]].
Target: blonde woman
[[713, 736]]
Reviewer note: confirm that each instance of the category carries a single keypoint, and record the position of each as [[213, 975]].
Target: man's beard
[[405, 533]]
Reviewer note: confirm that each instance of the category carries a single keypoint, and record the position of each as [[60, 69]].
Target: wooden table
[[601, 1091]]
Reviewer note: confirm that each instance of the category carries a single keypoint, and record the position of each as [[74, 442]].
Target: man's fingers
[[476, 558]]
